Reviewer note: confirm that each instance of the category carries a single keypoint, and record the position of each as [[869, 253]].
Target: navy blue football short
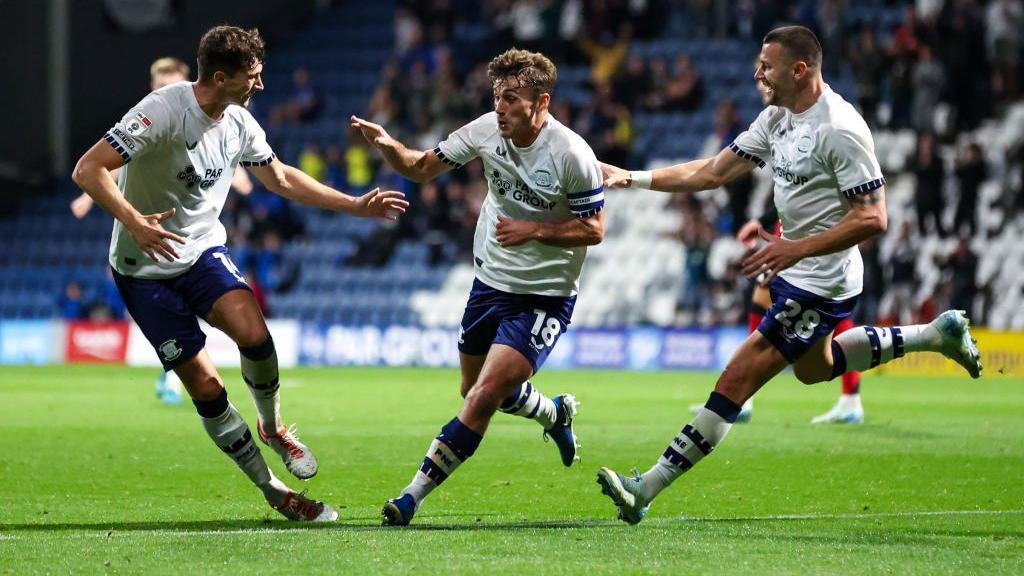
[[530, 324], [166, 309], [798, 318]]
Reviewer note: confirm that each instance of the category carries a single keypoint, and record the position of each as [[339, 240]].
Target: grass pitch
[[99, 477]]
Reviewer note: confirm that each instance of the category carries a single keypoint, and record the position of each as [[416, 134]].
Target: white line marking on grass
[[844, 516], [553, 523], [8, 537]]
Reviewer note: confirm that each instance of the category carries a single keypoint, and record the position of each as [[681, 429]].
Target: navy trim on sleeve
[[117, 147], [864, 188], [261, 162], [445, 159], [746, 155]]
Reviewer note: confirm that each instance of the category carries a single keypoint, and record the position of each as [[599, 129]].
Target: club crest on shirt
[[804, 143], [542, 178], [139, 124]]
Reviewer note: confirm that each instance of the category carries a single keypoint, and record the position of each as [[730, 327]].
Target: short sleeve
[[583, 181], [143, 127], [257, 151], [852, 157], [752, 144], [462, 145]]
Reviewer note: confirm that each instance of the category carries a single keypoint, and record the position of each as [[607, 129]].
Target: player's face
[[516, 107], [166, 79], [239, 87], [774, 80]]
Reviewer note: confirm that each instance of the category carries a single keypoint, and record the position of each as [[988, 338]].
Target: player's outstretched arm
[[866, 218], [92, 174], [693, 176], [586, 231], [416, 165], [296, 185]]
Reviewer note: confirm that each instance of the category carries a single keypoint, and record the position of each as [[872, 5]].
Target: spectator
[[71, 302], [971, 171], [312, 163], [302, 105], [929, 81], [685, 90], [1004, 21], [358, 165], [866, 311], [271, 269], [632, 82], [928, 169], [899, 303], [902, 52], [697, 235], [869, 66], [961, 270], [334, 169]]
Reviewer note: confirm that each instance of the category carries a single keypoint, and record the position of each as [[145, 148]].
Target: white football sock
[[527, 401]]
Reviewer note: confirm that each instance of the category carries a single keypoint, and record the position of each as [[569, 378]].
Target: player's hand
[[151, 237], [512, 232], [388, 205], [778, 255], [80, 206], [615, 177], [749, 233], [374, 133]]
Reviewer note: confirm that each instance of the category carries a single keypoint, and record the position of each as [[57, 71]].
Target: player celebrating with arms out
[[541, 212], [177, 150], [830, 195]]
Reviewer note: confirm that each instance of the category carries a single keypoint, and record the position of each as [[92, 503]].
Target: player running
[[541, 212], [830, 195], [177, 150], [162, 72]]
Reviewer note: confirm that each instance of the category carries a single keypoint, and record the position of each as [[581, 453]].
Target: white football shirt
[[178, 157], [819, 159], [553, 179]]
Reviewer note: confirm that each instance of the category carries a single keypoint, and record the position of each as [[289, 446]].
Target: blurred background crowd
[[645, 82]]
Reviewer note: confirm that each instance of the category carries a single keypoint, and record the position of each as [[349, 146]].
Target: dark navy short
[[530, 324], [166, 309], [798, 318]]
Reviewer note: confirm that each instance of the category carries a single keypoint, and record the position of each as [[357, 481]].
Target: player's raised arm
[[416, 165], [296, 185], [693, 176]]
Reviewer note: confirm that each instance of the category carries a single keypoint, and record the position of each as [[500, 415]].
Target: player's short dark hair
[[799, 42], [532, 69], [229, 49]]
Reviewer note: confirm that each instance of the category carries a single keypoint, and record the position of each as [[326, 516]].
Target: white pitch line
[[843, 516], [567, 524]]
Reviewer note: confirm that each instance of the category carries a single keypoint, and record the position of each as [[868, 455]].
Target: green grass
[[99, 477]]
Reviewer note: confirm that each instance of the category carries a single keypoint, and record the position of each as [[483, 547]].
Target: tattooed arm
[[866, 219]]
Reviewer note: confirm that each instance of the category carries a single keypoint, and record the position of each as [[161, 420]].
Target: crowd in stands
[[936, 68]]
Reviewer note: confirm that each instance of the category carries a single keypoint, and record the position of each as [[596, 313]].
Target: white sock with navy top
[[528, 402], [865, 347], [231, 434], [696, 440], [453, 446]]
